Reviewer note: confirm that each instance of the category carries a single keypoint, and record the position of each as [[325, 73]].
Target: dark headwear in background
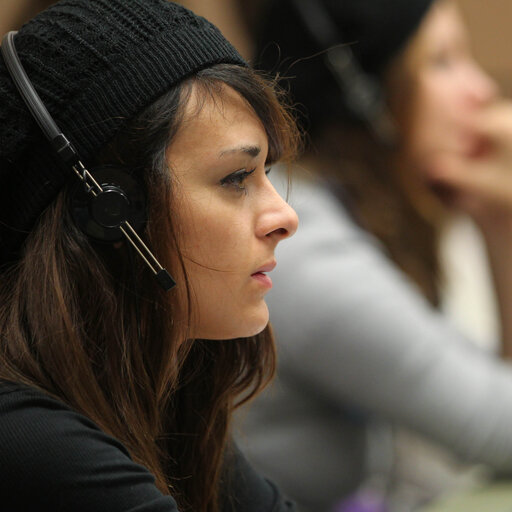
[[95, 64], [376, 31]]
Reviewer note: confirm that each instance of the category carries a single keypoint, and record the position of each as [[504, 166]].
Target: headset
[[111, 205], [362, 94]]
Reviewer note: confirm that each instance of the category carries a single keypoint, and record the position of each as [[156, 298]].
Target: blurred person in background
[[404, 131]]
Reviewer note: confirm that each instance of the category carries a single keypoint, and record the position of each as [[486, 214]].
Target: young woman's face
[[230, 216], [451, 87]]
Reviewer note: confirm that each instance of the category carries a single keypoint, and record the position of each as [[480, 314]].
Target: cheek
[[214, 234], [438, 121], [436, 103], [218, 246], [226, 303]]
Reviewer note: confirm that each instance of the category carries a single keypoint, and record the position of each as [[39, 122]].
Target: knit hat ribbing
[[95, 64]]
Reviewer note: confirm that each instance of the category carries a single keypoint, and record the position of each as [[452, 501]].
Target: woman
[[403, 126], [110, 397]]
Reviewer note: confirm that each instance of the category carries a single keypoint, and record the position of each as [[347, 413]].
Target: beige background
[[14, 12], [490, 23]]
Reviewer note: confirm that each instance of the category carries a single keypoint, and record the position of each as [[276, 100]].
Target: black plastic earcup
[[122, 200]]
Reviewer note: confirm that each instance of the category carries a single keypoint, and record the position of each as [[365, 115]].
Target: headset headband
[[69, 156], [363, 95]]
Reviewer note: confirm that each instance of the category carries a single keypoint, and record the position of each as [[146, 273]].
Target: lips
[[268, 267], [260, 275]]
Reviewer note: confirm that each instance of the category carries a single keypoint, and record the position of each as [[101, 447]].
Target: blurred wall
[[13, 13], [490, 24]]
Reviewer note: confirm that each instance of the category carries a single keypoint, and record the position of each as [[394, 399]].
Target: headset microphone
[[111, 205]]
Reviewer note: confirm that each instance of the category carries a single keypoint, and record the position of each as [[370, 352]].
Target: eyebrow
[[252, 151]]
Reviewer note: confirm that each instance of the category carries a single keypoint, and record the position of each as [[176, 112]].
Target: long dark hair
[[87, 324]]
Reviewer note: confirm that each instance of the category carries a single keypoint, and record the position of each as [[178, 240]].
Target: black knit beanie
[[95, 64], [376, 30]]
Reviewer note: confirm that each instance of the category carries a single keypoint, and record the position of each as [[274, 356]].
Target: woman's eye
[[237, 179]]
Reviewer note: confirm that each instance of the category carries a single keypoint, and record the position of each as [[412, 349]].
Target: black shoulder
[[53, 458], [245, 490]]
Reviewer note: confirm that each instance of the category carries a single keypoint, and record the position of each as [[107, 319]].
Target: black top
[[52, 458]]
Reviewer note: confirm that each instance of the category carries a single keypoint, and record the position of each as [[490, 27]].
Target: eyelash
[[237, 179]]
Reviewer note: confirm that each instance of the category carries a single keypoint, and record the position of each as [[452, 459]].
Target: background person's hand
[[480, 184]]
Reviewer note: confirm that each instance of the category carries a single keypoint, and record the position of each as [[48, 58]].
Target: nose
[[278, 219]]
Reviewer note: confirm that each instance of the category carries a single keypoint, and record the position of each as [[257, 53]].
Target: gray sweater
[[357, 344]]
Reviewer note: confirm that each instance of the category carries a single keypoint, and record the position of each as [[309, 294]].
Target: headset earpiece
[[100, 215], [111, 203]]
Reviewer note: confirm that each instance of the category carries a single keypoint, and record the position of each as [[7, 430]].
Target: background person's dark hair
[[87, 324], [374, 179]]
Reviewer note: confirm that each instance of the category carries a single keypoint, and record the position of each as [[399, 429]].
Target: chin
[[251, 325], [246, 331], [233, 335], [252, 322], [258, 322], [256, 331]]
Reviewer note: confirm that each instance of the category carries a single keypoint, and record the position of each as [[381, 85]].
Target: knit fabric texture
[[376, 30], [95, 64]]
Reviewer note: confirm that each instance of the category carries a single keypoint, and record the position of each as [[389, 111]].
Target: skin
[[231, 221], [451, 89], [483, 186]]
